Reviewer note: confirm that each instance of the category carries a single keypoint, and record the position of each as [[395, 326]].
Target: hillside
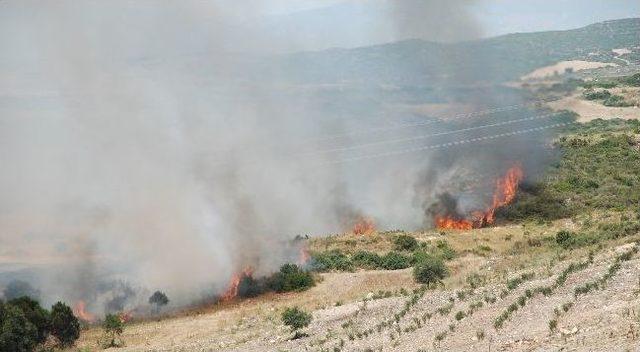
[[499, 59], [559, 271]]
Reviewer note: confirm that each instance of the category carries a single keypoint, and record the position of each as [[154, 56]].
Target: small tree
[[17, 334], [113, 328], [64, 325], [159, 300], [291, 278], [36, 315], [296, 319], [430, 270]]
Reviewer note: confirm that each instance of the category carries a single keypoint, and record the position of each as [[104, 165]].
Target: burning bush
[[291, 278]]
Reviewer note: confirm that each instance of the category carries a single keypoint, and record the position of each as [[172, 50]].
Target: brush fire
[[233, 289], [505, 192], [364, 226], [80, 311]]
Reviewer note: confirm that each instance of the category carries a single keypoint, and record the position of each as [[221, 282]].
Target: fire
[[126, 316], [364, 226], [80, 311], [303, 256], [446, 222], [232, 289], [505, 193]]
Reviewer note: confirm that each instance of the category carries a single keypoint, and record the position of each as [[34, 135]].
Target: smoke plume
[[146, 145]]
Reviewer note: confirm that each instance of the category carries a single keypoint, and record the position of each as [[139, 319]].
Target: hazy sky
[[318, 24]]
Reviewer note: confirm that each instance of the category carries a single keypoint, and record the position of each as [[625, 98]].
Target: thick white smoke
[[138, 143]]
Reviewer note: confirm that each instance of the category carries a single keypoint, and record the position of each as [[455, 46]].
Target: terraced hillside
[[564, 278]]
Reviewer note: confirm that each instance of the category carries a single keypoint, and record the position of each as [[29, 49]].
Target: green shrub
[[113, 328], [430, 271], [405, 243], [35, 314], [395, 261], [596, 95], [291, 278], [367, 260], [296, 318], [332, 260], [616, 101], [564, 238], [633, 80], [17, 334], [64, 325], [444, 250]]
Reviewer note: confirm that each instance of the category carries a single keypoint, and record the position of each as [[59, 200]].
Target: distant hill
[[419, 62]]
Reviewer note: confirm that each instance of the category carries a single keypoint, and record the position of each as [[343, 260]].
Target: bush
[[159, 299], [291, 278], [616, 101], [395, 261], [429, 271], [296, 318], [564, 238], [17, 334], [633, 80], [405, 243], [35, 314], [64, 325], [113, 328], [596, 95], [332, 260], [444, 250], [368, 260]]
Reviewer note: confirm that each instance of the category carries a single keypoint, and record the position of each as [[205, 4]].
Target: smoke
[[147, 146]]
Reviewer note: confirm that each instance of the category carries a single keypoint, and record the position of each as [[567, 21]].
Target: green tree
[[113, 327], [64, 325], [17, 334], [158, 299], [291, 278], [36, 315]]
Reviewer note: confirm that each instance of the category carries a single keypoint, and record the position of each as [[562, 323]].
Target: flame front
[[303, 256], [505, 193], [364, 226], [80, 311], [234, 284]]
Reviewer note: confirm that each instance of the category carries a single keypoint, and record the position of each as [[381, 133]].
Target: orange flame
[[126, 316], [447, 222], [80, 311], [303, 256], [232, 289], [505, 193], [364, 226]]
